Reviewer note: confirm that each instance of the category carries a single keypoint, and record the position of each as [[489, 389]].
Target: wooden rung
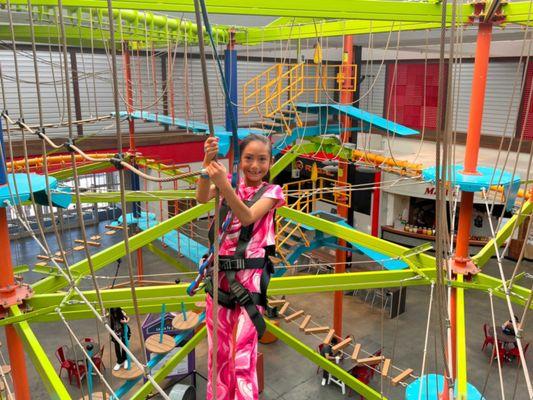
[[329, 336], [111, 233], [41, 264], [275, 303], [385, 367], [356, 350], [114, 227], [295, 315], [284, 308], [341, 345], [89, 242], [58, 253], [318, 329], [96, 237], [401, 376], [370, 360], [42, 257], [59, 260], [305, 322], [79, 248]]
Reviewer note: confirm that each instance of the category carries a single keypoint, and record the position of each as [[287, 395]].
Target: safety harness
[[230, 265]]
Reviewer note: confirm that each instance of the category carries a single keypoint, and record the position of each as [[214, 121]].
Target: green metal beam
[[484, 255], [518, 294], [351, 235], [337, 9], [151, 297], [518, 11], [167, 368], [325, 28], [460, 349], [366, 391], [52, 382], [82, 170], [170, 259], [114, 197], [111, 254], [290, 156]]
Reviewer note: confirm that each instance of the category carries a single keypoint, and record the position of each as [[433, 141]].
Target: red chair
[[77, 371], [488, 338], [515, 353], [63, 362], [502, 353], [98, 360]]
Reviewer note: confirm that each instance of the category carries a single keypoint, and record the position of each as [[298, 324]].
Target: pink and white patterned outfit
[[236, 359]]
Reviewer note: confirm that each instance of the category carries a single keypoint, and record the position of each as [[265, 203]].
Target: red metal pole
[[346, 97], [14, 342], [376, 196], [129, 94]]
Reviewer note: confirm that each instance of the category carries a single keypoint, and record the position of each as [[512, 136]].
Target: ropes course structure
[[98, 61]]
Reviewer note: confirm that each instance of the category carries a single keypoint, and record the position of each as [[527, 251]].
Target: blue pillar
[[136, 186], [230, 73]]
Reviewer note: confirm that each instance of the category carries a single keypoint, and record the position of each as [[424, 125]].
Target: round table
[[502, 337], [78, 355], [432, 386]]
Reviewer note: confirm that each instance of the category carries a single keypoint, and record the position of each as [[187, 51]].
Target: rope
[[426, 337], [517, 328]]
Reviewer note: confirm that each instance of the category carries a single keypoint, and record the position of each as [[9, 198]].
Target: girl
[[117, 319], [236, 358]]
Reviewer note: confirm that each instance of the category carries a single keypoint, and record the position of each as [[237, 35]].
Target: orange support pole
[[461, 263], [8, 287], [346, 97]]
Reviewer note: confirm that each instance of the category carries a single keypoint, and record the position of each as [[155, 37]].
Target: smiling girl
[[244, 265]]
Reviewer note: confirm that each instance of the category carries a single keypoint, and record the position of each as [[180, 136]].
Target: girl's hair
[[259, 138], [115, 315]]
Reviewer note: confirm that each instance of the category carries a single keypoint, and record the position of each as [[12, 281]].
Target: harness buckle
[[241, 294], [233, 265]]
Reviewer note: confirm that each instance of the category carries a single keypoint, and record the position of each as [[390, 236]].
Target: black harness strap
[[230, 265]]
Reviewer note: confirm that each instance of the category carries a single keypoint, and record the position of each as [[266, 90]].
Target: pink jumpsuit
[[236, 359]]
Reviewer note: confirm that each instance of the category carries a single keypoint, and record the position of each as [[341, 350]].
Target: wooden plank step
[[111, 233], [284, 308], [401, 376], [43, 257], [79, 248], [305, 322], [318, 329], [386, 366], [294, 315], [341, 345], [89, 242], [370, 360], [41, 264], [275, 303], [96, 237], [329, 336], [290, 242], [114, 227], [356, 350], [276, 260]]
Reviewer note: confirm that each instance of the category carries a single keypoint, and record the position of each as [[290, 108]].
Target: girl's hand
[[217, 173], [210, 149]]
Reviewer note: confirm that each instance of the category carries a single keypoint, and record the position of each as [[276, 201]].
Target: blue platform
[[358, 114], [194, 126], [17, 191], [432, 385], [486, 177]]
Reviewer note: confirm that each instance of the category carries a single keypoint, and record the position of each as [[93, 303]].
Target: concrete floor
[[290, 376]]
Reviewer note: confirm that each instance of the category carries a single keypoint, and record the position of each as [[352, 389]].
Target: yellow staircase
[[272, 94]]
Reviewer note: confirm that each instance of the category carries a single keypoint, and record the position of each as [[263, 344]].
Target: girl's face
[[255, 162]]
